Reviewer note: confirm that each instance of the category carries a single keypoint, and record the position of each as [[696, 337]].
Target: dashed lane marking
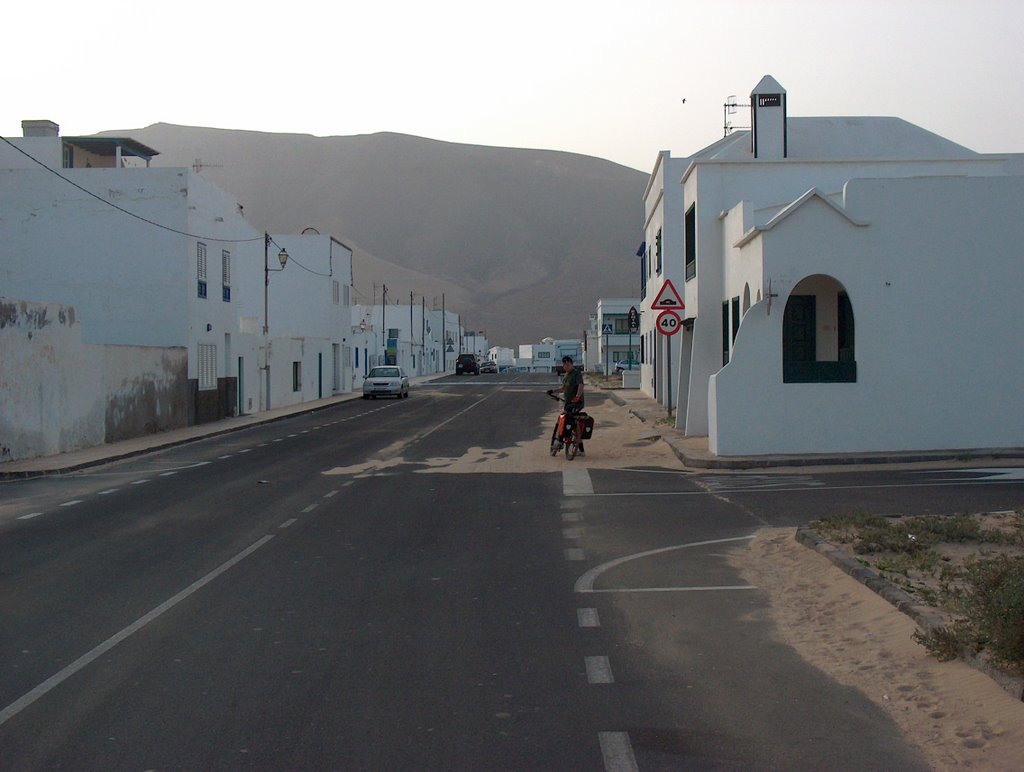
[[588, 617], [617, 751], [599, 670]]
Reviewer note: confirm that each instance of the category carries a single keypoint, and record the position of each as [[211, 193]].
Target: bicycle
[[573, 432]]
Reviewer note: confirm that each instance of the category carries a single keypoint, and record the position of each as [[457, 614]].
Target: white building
[[538, 357], [153, 259], [502, 356], [422, 340], [661, 260], [824, 263], [614, 342]]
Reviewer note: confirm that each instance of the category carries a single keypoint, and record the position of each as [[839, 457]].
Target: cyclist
[[572, 395]]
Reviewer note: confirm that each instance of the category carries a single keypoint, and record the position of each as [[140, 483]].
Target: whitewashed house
[[614, 342], [420, 339], [307, 354], [661, 259], [159, 260], [849, 285]]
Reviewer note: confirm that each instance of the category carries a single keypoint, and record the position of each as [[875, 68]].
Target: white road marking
[[576, 482], [571, 517], [139, 482], [108, 491], [575, 553], [30, 515], [308, 509], [599, 670], [587, 617], [72, 502], [288, 523], [330, 494], [88, 658], [244, 450], [617, 752], [586, 582], [168, 474], [677, 589], [221, 458], [572, 533]]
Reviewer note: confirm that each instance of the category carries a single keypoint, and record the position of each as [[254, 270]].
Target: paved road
[[229, 605]]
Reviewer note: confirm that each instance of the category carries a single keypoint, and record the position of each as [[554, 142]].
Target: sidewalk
[[694, 453], [115, 451]]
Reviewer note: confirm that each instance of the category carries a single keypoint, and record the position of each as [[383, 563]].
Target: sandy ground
[[620, 440], [957, 716]]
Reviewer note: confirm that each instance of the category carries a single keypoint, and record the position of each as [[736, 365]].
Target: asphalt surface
[[227, 604]]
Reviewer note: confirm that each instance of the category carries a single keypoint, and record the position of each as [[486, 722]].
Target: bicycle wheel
[[573, 443]]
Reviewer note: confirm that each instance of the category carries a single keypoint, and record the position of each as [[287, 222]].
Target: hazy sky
[[602, 78]]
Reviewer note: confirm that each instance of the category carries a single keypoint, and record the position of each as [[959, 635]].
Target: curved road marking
[[586, 582]]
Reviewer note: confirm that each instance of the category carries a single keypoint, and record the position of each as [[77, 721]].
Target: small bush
[[994, 606]]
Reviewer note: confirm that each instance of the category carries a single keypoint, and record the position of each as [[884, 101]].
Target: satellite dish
[[310, 231]]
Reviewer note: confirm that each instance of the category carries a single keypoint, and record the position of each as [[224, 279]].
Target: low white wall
[[59, 394], [934, 280]]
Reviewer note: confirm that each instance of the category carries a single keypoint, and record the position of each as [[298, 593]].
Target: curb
[[926, 617]]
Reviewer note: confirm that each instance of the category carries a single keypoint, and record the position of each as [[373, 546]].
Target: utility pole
[[383, 323]]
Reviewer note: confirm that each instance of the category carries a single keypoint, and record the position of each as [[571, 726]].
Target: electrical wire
[[126, 211]]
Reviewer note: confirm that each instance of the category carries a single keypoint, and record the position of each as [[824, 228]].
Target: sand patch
[[620, 440], [957, 716]]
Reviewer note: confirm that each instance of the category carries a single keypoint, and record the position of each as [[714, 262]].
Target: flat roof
[[107, 146]]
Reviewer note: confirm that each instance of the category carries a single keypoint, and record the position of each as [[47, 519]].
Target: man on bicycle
[[572, 395]]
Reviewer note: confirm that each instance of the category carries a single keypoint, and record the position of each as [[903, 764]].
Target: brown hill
[[522, 242]]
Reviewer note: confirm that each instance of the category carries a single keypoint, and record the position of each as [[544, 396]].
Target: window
[[225, 270], [207, 366], [735, 317], [201, 269], [296, 376], [657, 241], [691, 242], [725, 333], [643, 276], [336, 289]]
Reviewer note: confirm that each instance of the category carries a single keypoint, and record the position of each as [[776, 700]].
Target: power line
[[122, 209]]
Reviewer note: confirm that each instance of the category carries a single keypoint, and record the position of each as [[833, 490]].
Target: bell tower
[[768, 136]]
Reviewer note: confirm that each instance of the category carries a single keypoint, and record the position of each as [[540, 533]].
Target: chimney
[[40, 129], [768, 136]]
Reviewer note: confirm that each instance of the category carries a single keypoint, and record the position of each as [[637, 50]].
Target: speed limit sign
[[668, 322]]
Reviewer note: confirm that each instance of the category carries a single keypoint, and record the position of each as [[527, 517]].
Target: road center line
[[617, 752], [599, 670], [88, 658]]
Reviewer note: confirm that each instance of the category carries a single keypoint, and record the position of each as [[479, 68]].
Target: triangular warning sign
[[668, 297]]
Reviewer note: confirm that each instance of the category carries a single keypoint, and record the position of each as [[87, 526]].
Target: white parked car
[[386, 381]]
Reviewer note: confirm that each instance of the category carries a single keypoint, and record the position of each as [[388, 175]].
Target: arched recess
[[746, 298], [818, 333]]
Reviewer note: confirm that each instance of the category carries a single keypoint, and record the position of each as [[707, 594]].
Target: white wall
[[934, 279], [60, 394]]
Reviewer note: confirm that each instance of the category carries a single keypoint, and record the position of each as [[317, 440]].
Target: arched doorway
[[818, 333]]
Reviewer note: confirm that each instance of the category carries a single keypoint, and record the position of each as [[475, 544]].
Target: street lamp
[[282, 258]]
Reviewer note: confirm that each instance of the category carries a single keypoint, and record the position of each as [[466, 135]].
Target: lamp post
[[282, 258]]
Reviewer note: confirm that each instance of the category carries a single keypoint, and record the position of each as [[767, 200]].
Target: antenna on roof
[[729, 108], [198, 165]]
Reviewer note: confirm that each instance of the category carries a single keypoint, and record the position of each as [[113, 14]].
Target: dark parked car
[[466, 364], [488, 366]]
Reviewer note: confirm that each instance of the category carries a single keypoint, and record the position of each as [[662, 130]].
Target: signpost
[[634, 326], [606, 330], [668, 324]]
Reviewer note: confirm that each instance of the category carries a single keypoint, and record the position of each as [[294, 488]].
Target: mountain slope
[[522, 242]]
